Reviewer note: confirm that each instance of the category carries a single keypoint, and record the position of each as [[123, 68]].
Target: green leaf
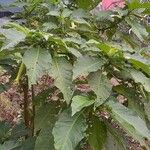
[[2, 88], [87, 4], [20, 130], [55, 12], [45, 118], [129, 121], [134, 101], [138, 29], [28, 144], [38, 63], [136, 4], [69, 130], [45, 140], [139, 63], [100, 85], [112, 143], [81, 21], [86, 64], [4, 130], [13, 37], [66, 13], [74, 51], [115, 140], [41, 97], [79, 102], [49, 26], [62, 73], [97, 134], [147, 110], [9, 145], [139, 77]]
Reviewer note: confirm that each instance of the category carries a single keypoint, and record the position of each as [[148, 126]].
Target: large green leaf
[[62, 73], [13, 37], [45, 118], [38, 63], [97, 134], [129, 121], [86, 64], [79, 102], [100, 85], [69, 130], [139, 77], [134, 102]]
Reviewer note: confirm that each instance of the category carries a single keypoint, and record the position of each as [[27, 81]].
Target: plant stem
[[33, 109], [20, 72], [26, 104]]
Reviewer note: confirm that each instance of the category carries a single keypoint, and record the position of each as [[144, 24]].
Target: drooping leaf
[[62, 73], [69, 130], [74, 51], [86, 64], [38, 63], [139, 63], [129, 121], [79, 102], [97, 134], [13, 37], [134, 101], [139, 77], [115, 140], [100, 85], [112, 143], [138, 29], [45, 118]]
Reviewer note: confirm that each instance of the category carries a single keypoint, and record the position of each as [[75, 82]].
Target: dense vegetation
[[76, 45]]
